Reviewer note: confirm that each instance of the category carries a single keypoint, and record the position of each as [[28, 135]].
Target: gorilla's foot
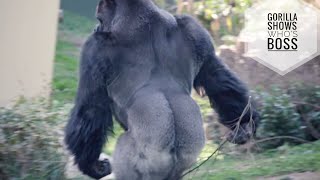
[[98, 170]]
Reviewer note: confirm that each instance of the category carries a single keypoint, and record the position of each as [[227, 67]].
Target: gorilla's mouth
[[99, 16], [100, 20]]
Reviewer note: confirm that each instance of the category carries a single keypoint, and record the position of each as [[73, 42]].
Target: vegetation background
[[287, 145]]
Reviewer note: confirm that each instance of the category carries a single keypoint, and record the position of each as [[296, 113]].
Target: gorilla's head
[[126, 20], [105, 13]]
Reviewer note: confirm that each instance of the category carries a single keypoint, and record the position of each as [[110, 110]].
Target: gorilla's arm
[[91, 117], [227, 94]]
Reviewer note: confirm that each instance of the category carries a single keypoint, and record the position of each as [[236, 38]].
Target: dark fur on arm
[[228, 96], [91, 117]]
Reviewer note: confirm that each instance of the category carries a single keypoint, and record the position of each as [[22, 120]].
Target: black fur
[[91, 118], [227, 94], [228, 97]]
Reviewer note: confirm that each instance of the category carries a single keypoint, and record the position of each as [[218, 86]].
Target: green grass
[[65, 73], [281, 161], [76, 24], [66, 62]]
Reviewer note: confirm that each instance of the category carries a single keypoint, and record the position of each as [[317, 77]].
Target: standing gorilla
[[140, 65]]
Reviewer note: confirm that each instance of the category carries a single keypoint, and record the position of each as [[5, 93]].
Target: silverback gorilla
[[140, 65]]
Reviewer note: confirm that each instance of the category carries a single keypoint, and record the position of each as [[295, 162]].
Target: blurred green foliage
[[82, 7], [72, 32], [204, 104], [65, 72], [289, 112], [307, 101], [278, 118], [222, 17], [76, 24], [31, 141]]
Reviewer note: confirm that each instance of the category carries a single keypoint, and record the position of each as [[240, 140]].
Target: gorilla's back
[[163, 61]]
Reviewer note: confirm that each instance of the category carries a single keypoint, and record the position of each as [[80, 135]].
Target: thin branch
[[195, 168], [305, 103], [282, 137]]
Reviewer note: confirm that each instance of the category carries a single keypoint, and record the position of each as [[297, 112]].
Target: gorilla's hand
[[241, 134], [97, 170]]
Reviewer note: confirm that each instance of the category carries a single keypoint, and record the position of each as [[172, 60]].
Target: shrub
[[293, 112], [30, 142], [307, 101], [278, 118]]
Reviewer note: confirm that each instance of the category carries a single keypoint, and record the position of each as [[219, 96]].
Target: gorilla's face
[[105, 13]]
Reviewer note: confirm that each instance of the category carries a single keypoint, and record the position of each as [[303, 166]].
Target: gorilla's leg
[[146, 150], [124, 158], [190, 136]]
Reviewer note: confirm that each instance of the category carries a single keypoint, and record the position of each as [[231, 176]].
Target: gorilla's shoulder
[[94, 46], [191, 26], [195, 32], [185, 20]]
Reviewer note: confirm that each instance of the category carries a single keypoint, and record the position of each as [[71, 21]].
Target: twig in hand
[[208, 158]]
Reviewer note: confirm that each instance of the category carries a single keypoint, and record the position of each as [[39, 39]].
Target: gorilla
[[140, 65]]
